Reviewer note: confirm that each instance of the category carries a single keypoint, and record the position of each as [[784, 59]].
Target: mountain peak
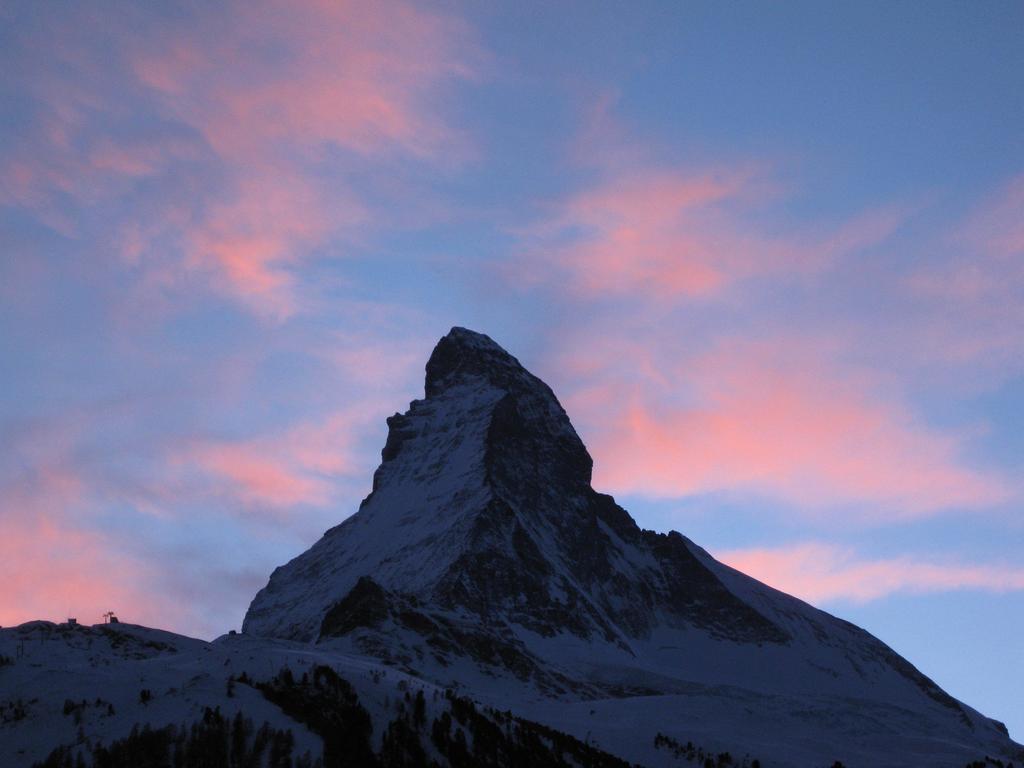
[[462, 355], [482, 505], [483, 553]]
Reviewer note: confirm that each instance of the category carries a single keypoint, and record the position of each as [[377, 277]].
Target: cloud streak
[[702, 355], [654, 234], [53, 563], [774, 419], [968, 306], [254, 119], [820, 572], [277, 472]]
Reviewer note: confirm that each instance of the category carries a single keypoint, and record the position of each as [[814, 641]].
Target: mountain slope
[[124, 696], [482, 505], [484, 559]]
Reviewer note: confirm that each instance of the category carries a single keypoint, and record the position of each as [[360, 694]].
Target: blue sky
[[771, 258]]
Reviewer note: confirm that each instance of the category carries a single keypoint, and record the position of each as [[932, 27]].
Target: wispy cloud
[[52, 570], [819, 572], [997, 226], [781, 419], [254, 117], [350, 74], [969, 302], [647, 229], [101, 500], [280, 471], [657, 234], [250, 242], [702, 354], [53, 560]]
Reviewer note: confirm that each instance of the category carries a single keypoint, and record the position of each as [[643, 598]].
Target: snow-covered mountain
[[483, 558], [484, 568]]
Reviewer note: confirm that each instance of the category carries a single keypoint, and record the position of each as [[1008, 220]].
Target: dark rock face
[[464, 355], [539, 472], [365, 606], [402, 631]]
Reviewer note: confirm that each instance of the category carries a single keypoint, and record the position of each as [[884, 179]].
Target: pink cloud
[[51, 564], [688, 408], [778, 419], [359, 75], [321, 459], [55, 563], [997, 227], [989, 243], [669, 234], [969, 307], [270, 104], [259, 480], [648, 230], [820, 572], [251, 239], [137, 159], [81, 518], [351, 75], [276, 472], [51, 570]]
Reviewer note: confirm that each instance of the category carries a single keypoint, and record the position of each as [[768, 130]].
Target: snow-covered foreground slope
[[66, 691], [61, 684], [484, 563], [83, 686]]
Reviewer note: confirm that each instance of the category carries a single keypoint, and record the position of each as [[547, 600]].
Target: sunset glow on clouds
[[53, 563], [778, 286], [771, 419], [62, 572], [665, 235], [299, 466], [261, 109], [818, 572]]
